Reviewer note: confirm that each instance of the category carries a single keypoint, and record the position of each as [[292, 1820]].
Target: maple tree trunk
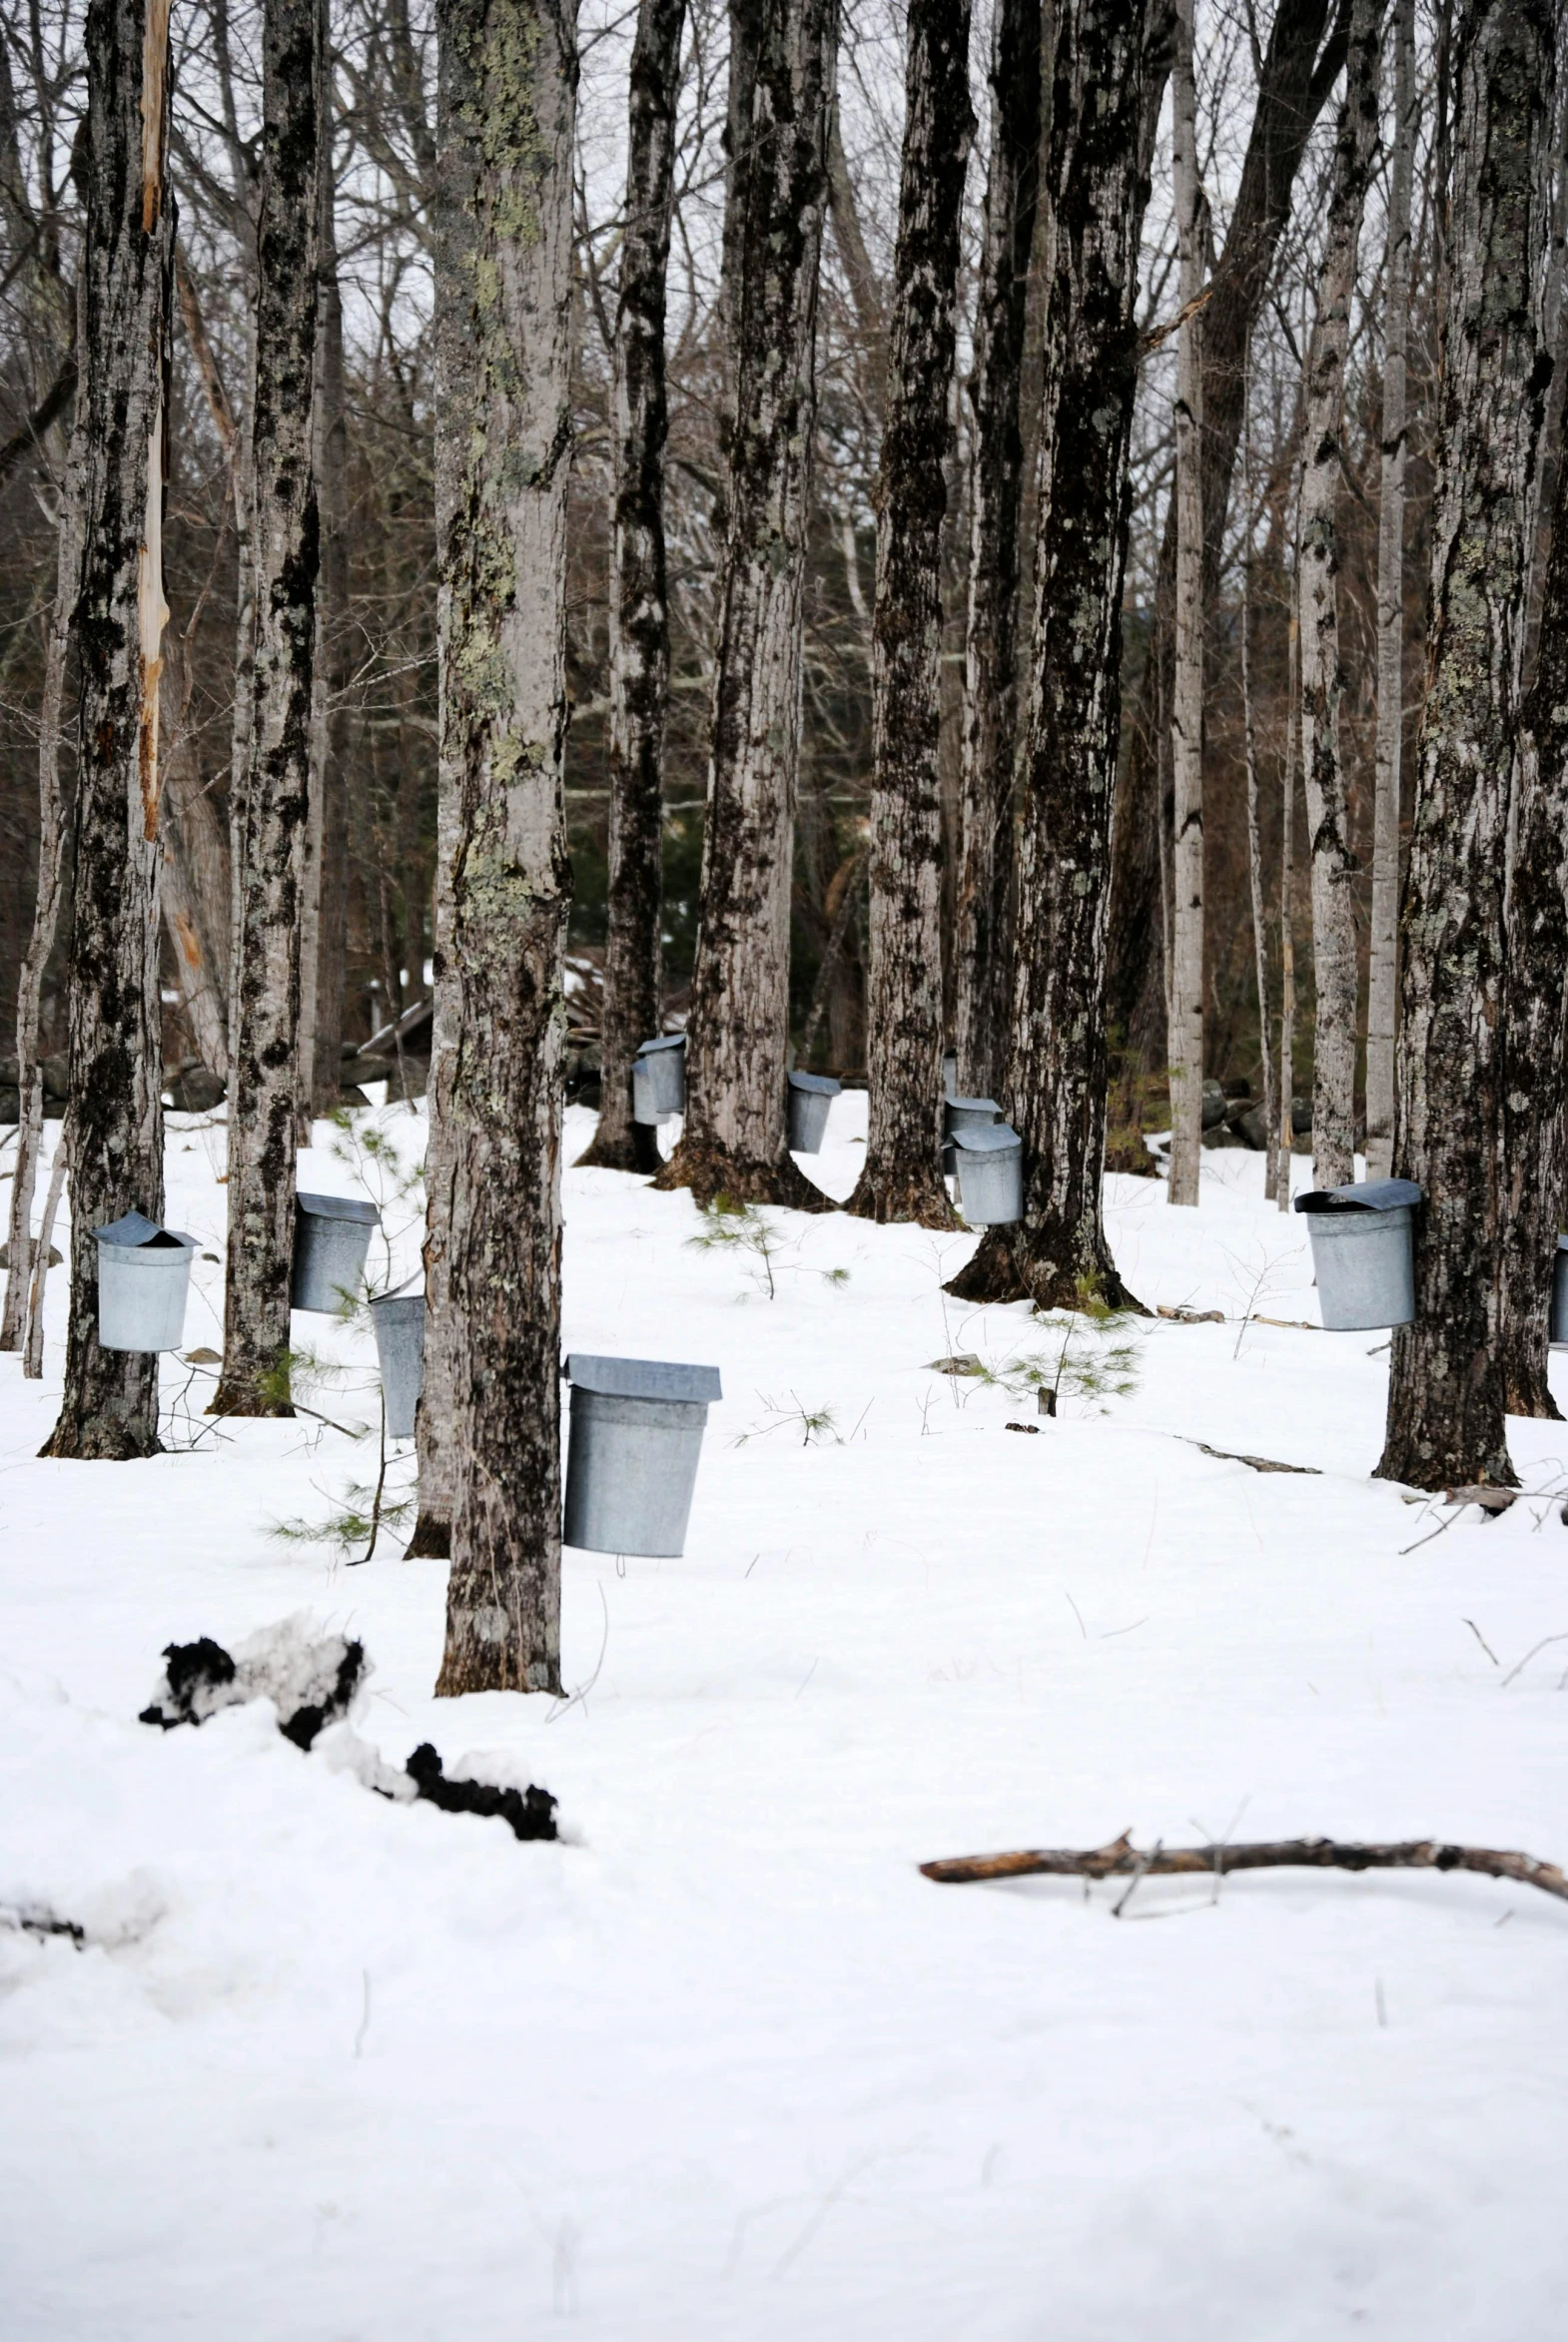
[[114, 1120], [194, 875], [638, 594], [507, 87], [1186, 702], [1449, 1385], [265, 1077], [902, 1175], [734, 1139]]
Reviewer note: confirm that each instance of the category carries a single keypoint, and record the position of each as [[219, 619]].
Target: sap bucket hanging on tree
[[632, 1464], [144, 1276], [331, 1236], [990, 1173], [658, 1079], [811, 1097], [399, 1319], [1363, 1252], [1558, 1335], [964, 1113]]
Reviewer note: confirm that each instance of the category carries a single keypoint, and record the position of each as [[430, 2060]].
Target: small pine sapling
[[728, 1226], [1093, 1354]]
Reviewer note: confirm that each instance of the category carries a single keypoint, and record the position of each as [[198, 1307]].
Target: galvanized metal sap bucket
[[964, 1113], [632, 1464], [399, 1321], [990, 1173], [1363, 1252], [144, 1276], [331, 1236], [658, 1079], [810, 1099], [1558, 1333], [949, 1072]]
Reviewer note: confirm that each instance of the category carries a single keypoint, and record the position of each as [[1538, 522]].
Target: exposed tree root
[[1008, 1267], [1122, 1860], [710, 1169]]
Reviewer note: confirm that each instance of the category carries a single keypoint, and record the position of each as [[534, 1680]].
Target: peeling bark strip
[[639, 609], [1335, 867], [734, 1139], [1122, 1860], [265, 1073], [1110, 62], [114, 1122], [996, 495], [503, 436], [902, 1176], [1448, 1390]]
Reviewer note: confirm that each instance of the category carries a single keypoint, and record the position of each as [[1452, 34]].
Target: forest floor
[[722, 2064]]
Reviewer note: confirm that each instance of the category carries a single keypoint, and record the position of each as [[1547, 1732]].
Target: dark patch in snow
[[530, 1812], [311, 1681]]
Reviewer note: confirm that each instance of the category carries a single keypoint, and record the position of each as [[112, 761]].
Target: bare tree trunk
[[508, 73], [734, 1137], [114, 1122], [1335, 867], [639, 605], [1255, 846], [1186, 704], [1286, 1125], [902, 1175], [195, 878], [1110, 60], [435, 1432], [1448, 1388], [264, 1087], [1382, 990], [46, 908], [33, 1348], [996, 494]]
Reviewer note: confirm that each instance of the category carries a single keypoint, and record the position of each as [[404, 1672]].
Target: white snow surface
[[722, 2064]]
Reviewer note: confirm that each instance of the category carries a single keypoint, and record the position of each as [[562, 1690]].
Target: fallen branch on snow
[[1122, 1860], [1255, 1463]]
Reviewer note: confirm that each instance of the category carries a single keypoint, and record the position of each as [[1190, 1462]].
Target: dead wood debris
[[1122, 1860], [1257, 1463]]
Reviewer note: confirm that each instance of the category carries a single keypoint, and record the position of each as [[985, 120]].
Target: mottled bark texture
[[1109, 61], [1185, 988], [1382, 988], [983, 967], [902, 1174], [735, 1131], [507, 87], [639, 609], [114, 1122], [1447, 1394], [1335, 867], [195, 878], [264, 1078], [1254, 841]]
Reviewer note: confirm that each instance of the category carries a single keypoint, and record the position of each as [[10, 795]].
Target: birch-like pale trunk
[[194, 881], [1110, 62], [1335, 867], [734, 1140], [1382, 989], [263, 1082], [983, 969], [508, 88], [1286, 1126], [114, 1121], [902, 1175], [1186, 698], [639, 633], [1449, 1385], [1255, 845]]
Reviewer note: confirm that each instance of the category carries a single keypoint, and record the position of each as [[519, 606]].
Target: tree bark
[[1335, 867], [1186, 700], [114, 1121], [996, 495], [504, 444], [1286, 1123], [195, 877], [1109, 62], [638, 594], [1448, 1388], [902, 1175], [735, 1131], [264, 1085], [1254, 843], [1382, 990]]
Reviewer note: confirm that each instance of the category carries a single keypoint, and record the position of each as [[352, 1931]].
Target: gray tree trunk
[[1335, 867], [1186, 698], [735, 1131], [1382, 989], [264, 1085], [114, 1122], [1111, 61], [1287, 1127], [902, 1175], [638, 595], [508, 73], [195, 877], [996, 497], [1254, 843], [1448, 1387]]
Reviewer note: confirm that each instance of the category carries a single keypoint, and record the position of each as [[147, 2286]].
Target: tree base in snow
[[1446, 1426], [711, 1171], [636, 1150], [252, 1395], [916, 1196], [1010, 1265], [431, 1539]]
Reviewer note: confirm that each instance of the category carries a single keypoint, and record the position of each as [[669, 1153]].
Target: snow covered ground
[[723, 2065]]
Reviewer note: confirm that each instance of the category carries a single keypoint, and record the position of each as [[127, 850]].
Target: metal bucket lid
[[339, 1208], [134, 1230], [819, 1084], [643, 1378], [1562, 1243], [974, 1105], [1369, 1195], [988, 1139], [409, 1301], [662, 1041]]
